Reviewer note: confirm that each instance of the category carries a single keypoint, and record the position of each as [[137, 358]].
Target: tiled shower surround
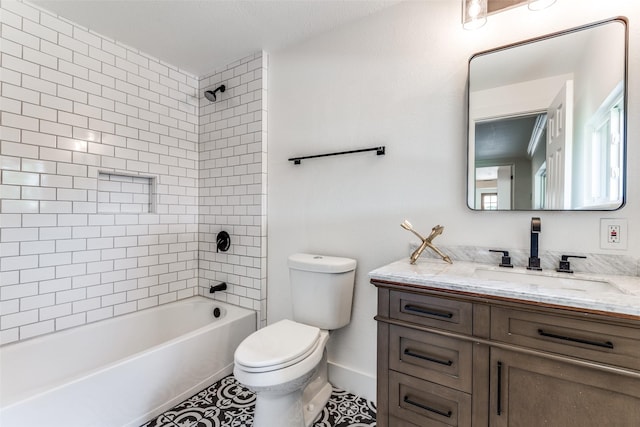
[[116, 176], [233, 182]]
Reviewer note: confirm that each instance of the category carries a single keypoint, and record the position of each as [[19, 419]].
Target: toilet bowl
[[285, 363]]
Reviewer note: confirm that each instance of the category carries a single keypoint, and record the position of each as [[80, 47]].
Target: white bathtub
[[122, 371]]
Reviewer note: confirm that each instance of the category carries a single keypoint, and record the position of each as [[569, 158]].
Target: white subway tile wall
[[75, 105], [233, 182]]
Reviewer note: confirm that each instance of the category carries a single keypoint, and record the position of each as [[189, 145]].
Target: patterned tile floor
[[229, 404]]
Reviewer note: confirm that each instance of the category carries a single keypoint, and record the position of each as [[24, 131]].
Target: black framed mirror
[[547, 121]]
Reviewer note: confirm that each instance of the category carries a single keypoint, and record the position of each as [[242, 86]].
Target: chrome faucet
[[426, 242], [534, 261]]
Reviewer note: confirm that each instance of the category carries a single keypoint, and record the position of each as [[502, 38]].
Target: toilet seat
[[283, 378], [277, 346]]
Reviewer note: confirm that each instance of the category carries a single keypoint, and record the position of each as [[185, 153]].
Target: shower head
[[211, 94]]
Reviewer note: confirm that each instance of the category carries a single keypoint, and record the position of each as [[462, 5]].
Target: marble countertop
[[613, 294]]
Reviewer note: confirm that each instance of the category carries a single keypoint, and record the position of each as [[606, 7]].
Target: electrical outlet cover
[[613, 233]]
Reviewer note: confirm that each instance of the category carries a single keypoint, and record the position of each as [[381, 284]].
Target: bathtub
[[121, 371]]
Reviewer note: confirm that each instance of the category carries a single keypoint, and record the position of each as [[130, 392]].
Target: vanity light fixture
[[474, 14], [540, 4]]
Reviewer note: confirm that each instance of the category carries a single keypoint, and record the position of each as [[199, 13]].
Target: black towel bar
[[380, 151]]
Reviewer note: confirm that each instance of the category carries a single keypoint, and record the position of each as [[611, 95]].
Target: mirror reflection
[[547, 122]]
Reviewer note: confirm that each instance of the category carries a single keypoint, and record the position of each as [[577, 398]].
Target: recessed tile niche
[[121, 193]]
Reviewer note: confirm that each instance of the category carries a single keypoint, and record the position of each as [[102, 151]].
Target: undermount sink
[[573, 284]]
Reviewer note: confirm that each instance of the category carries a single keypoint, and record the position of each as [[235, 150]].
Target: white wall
[[398, 79]]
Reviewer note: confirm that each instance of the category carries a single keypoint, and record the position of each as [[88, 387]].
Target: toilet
[[285, 363]]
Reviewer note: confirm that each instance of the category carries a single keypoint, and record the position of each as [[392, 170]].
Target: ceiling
[[200, 36], [506, 138]]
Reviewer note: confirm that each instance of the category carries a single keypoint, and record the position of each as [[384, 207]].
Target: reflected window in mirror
[[547, 117], [489, 202], [606, 153]]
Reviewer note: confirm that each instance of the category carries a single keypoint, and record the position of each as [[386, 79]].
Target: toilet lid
[[277, 346]]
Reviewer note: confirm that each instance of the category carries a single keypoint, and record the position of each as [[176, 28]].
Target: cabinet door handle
[[427, 358], [606, 344], [428, 311], [427, 408], [499, 405]]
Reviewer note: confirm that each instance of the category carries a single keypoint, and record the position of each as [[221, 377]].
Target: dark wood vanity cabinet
[[459, 360]]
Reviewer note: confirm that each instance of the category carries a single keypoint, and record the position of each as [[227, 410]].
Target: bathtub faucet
[[222, 286]]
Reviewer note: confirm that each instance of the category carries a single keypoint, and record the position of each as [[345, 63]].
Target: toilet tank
[[321, 289]]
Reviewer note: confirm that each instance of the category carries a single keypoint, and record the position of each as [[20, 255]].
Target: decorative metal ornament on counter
[[426, 242]]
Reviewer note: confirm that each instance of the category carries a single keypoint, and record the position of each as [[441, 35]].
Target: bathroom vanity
[[466, 345]]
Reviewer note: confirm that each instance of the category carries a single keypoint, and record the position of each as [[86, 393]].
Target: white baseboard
[[356, 382]]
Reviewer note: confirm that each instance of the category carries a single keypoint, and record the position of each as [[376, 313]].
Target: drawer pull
[[499, 397], [607, 344], [427, 358], [427, 408], [428, 311]]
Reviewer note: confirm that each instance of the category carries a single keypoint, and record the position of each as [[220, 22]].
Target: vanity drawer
[[443, 360], [427, 404], [427, 310], [586, 339], [397, 422]]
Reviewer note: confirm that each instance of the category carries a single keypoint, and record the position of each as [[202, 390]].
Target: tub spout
[[222, 286]]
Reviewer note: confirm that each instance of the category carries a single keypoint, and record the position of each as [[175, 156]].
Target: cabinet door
[[532, 391]]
